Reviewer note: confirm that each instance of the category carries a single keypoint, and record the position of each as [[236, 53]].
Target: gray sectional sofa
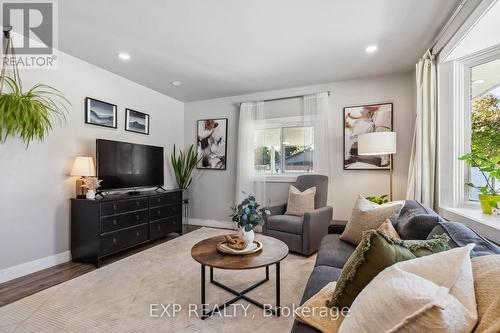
[[414, 222]]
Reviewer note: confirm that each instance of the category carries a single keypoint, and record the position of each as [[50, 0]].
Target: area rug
[[158, 290]]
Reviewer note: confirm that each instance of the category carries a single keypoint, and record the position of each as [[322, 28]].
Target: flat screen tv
[[123, 165]]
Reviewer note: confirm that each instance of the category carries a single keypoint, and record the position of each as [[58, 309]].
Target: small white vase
[[247, 236], [90, 194]]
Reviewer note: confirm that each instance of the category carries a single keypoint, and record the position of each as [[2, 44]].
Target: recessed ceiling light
[[477, 81], [371, 48], [124, 56], [176, 83]]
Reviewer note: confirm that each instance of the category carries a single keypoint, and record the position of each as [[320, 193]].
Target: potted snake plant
[[183, 165]]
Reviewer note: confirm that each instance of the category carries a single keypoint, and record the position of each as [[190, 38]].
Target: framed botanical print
[[360, 120], [100, 113], [136, 121], [212, 143]]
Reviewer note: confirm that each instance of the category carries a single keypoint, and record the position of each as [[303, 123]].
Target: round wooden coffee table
[[206, 253]]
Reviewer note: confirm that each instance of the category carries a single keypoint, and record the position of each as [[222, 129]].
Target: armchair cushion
[[300, 202], [285, 223]]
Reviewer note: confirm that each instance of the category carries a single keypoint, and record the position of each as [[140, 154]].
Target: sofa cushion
[[429, 294], [333, 251], [416, 221], [286, 223], [375, 253], [320, 277], [461, 235], [486, 270], [367, 215]]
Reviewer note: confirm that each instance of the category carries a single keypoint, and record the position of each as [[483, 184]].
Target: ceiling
[[219, 48]]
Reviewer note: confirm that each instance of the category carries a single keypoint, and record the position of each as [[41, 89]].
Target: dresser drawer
[[165, 211], [116, 222], [123, 239], [121, 206], [165, 199], [163, 227]]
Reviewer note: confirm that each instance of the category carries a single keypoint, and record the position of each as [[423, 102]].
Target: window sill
[[472, 216], [277, 178]]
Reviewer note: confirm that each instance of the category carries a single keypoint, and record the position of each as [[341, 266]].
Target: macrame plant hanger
[[9, 48]]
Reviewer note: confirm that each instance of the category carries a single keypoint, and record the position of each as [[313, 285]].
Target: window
[[284, 150], [484, 120]]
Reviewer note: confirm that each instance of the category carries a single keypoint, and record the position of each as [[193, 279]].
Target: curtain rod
[[445, 27], [282, 98]]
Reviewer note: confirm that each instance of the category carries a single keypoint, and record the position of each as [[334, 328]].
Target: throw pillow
[[429, 294], [486, 271], [300, 202], [314, 312], [375, 253], [388, 229], [367, 215]]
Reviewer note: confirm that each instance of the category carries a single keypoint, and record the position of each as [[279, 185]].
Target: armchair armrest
[[274, 210], [315, 227], [277, 210]]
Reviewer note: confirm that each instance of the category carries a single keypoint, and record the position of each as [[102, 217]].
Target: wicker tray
[[256, 246]]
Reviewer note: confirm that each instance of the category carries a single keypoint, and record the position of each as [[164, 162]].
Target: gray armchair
[[302, 234]]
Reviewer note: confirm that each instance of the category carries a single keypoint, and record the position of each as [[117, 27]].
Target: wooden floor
[[14, 290]]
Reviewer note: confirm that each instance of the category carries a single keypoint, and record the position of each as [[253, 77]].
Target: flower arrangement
[[248, 214], [91, 183]]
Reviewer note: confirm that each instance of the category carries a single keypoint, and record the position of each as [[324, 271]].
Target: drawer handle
[[137, 217], [138, 233], [114, 207], [114, 240], [159, 227], [158, 212], [137, 203], [159, 200], [114, 222]]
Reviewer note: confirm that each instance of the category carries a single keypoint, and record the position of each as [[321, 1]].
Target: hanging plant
[[32, 114]]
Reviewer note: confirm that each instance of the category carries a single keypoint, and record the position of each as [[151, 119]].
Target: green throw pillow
[[374, 253]]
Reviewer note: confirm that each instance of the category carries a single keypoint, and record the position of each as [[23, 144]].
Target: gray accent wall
[[213, 192]]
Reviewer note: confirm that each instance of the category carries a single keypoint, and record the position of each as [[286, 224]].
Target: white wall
[[34, 184], [213, 192]]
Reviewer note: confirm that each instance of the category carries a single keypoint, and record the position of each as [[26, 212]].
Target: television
[[124, 165]]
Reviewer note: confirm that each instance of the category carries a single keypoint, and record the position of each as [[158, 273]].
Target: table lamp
[[83, 166], [379, 143]]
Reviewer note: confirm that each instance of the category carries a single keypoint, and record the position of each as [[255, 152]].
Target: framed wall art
[[360, 120], [212, 143]]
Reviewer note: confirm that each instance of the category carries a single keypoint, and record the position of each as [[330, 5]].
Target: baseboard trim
[[14, 272], [212, 223]]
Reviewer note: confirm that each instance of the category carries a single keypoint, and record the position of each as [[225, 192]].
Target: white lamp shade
[[377, 143], [83, 166]]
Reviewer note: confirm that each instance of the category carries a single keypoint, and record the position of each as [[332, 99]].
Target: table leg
[[211, 274], [267, 273], [202, 291], [278, 305]]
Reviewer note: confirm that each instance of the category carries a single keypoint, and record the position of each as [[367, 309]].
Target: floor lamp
[[379, 143]]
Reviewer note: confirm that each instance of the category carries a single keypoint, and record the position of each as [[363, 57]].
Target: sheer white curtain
[[250, 113], [317, 108], [422, 170]]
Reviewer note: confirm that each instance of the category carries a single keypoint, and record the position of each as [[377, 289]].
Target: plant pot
[[488, 201], [90, 194], [247, 236]]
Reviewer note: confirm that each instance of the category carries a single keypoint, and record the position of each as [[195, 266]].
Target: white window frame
[[462, 123], [283, 122]]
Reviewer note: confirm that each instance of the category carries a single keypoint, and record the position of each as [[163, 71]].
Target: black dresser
[[102, 227]]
